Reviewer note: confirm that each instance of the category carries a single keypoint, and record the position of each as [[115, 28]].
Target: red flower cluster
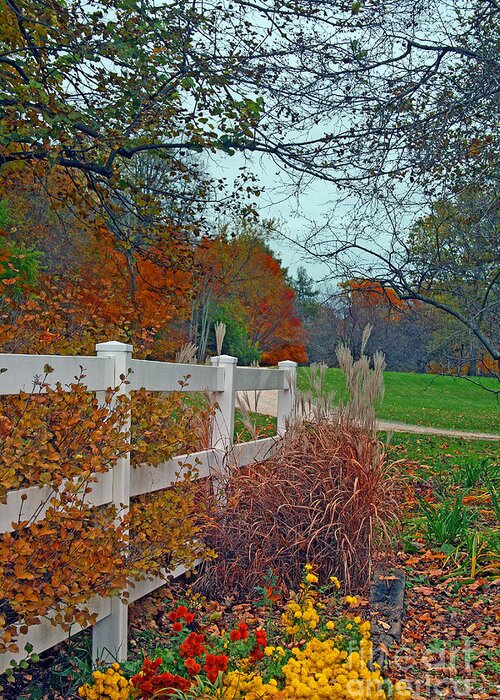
[[152, 684], [240, 633], [176, 616], [192, 645], [261, 637], [192, 666], [214, 664], [257, 652]]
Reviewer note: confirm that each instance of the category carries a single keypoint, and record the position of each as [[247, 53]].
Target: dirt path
[[396, 427], [267, 403]]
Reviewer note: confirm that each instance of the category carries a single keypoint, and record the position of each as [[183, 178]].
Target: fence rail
[[114, 360]]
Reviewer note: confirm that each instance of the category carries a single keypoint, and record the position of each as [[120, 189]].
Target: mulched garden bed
[[450, 645]]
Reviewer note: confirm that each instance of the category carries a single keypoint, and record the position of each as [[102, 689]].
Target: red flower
[[177, 626], [257, 652], [261, 637], [214, 664], [192, 645], [181, 614], [192, 667], [152, 684], [240, 633]]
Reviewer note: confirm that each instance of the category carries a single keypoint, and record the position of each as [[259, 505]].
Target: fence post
[[109, 635], [223, 424], [286, 396], [223, 421]]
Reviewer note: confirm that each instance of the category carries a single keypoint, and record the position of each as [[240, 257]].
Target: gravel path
[[267, 402]]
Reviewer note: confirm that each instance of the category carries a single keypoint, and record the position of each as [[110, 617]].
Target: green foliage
[[471, 472], [237, 341], [4, 214], [19, 264], [447, 522], [305, 295], [494, 496], [19, 268], [460, 515]]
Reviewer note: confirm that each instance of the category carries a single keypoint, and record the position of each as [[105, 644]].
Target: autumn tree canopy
[[362, 94], [241, 283], [381, 99], [68, 283]]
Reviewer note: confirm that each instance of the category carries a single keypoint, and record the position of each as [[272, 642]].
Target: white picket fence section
[[118, 486]]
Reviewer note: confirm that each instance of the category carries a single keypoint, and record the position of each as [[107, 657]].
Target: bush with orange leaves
[[63, 438]]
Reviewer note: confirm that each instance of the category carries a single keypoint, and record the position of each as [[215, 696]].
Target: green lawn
[[451, 498], [443, 453], [260, 426], [427, 399]]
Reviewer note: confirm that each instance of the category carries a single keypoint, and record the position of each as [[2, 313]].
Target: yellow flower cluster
[[301, 616], [365, 645], [320, 667], [320, 670], [111, 685], [248, 685], [317, 671], [277, 651]]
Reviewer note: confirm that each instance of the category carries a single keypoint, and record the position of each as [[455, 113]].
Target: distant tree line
[[415, 337]]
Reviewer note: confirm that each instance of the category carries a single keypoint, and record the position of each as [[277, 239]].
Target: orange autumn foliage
[[148, 296], [371, 294], [242, 271], [487, 365], [92, 287], [297, 353]]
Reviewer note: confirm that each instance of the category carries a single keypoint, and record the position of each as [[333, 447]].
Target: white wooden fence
[[117, 486]]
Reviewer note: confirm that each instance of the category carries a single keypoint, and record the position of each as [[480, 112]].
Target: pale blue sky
[[277, 201]]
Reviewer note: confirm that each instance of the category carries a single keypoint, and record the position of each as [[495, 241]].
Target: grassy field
[[442, 452], [432, 400], [451, 492]]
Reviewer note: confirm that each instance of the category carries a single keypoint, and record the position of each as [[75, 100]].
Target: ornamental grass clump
[[328, 497], [319, 649]]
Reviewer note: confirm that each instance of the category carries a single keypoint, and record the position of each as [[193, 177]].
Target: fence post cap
[[113, 346], [224, 360], [285, 364]]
